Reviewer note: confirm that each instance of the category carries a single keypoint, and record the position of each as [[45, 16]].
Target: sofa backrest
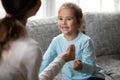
[[103, 28], [43, 31]]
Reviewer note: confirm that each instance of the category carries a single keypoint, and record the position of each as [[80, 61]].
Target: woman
[[20, 56]]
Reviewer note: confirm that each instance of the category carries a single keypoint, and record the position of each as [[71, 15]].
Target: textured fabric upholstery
[[103, 28], [43, 30]]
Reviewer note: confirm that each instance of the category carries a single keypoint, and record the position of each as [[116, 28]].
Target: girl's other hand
[[77, 65]]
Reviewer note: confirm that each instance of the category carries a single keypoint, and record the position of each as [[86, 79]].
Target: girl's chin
[[65, 32]]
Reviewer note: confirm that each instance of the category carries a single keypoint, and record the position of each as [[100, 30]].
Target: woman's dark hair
[[18, 8], [10, 28]]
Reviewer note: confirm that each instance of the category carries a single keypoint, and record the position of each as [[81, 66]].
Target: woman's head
[[70, 18], [18, 8], [17, 12]]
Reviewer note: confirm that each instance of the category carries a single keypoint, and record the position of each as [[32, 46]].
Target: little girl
[[70, 24]]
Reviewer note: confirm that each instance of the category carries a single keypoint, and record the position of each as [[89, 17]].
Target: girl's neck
[[71, 37]]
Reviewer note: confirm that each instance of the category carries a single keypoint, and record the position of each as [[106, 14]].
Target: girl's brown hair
[[77, 10]]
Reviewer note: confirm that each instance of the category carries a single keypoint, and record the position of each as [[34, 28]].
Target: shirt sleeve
[[51, 71], [88, 58]]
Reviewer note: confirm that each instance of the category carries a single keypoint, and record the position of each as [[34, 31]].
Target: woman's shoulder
[[25, 46], [24, 43]]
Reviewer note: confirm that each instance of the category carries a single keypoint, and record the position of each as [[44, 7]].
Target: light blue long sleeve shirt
[[84, 52]]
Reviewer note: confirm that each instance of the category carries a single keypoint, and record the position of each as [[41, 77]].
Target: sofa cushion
[[104, 29], [110, 64], [43, 31]]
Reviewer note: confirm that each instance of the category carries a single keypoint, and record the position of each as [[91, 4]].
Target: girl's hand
[[77, 64]]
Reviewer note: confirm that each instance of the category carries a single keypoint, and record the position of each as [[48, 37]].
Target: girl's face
[[67, 22]]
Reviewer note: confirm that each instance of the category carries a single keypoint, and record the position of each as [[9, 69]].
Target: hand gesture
[[69, 54], [77, 64]]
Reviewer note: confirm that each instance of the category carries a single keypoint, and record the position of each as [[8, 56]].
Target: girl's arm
[[88, 57], [53, 68]]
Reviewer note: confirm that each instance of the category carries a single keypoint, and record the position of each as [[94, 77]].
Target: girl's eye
[[60, 19], [69, 19]]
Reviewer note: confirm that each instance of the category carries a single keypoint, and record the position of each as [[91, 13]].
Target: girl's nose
[[63, 21]]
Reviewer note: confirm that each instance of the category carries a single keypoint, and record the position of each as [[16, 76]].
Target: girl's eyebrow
[[67, 16]]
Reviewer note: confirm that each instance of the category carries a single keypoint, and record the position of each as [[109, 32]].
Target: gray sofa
[[103, 28]]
